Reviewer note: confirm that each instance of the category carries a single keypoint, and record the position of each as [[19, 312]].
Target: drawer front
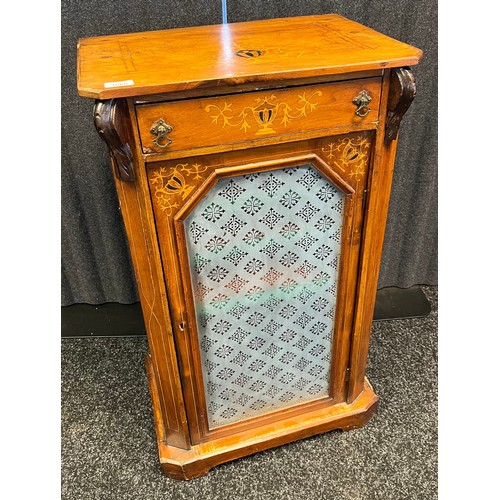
[[263, 116]]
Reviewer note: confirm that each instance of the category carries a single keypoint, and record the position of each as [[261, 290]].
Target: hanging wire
[[224, 12]]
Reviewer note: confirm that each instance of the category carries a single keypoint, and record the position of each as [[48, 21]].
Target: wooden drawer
[[263, 116]]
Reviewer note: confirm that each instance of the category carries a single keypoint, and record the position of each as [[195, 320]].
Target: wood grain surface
[[232, 54]]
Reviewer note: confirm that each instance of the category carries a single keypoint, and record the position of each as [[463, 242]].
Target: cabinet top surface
[[230, 54]]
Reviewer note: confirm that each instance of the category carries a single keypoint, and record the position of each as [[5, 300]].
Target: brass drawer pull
[[161, 129], [362, 101]]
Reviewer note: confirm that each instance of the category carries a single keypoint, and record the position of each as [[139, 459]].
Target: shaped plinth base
[[178, 463]]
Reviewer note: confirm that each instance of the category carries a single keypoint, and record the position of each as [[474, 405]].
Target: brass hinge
[[347, 375], [363, 201]]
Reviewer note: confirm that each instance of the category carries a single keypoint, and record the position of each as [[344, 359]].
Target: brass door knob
[[161, 129]]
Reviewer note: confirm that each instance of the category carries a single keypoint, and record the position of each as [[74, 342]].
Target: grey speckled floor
[[109, 442]]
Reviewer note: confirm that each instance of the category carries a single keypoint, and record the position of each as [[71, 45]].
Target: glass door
[[264, 253], [262, 258]]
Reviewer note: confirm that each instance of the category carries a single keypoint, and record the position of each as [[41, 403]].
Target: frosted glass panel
[[264, 254]]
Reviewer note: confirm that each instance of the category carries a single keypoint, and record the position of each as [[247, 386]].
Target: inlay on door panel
[[253, 163], [260, 242]]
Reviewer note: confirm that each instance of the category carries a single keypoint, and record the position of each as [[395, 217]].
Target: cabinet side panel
[[137, 215], [156, 318], [379, 189]]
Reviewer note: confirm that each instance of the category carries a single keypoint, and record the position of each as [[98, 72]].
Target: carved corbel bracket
[[110, 116], [401, 93]]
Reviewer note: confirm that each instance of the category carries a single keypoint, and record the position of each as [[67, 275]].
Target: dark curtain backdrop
[[96, 266]]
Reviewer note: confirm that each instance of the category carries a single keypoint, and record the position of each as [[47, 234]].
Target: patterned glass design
[[264, 253]]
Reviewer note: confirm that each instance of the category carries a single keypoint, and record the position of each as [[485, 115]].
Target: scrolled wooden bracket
[[401, 93], [108, 116]]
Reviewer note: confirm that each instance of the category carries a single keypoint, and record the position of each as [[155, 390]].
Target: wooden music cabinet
[[253, 164]]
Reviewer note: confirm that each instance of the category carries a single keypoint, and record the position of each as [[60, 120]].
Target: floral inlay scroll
[[353, 157], [265, 114], [169, 184]]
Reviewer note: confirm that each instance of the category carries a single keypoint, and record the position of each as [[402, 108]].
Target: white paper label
[[123, 83]]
